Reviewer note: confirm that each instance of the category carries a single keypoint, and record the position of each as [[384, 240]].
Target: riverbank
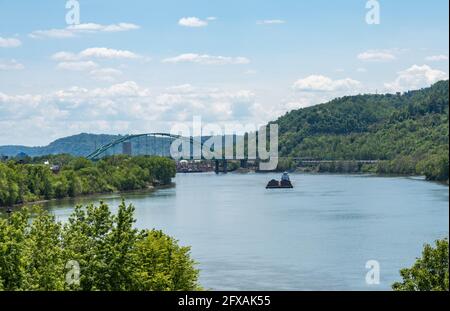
[[92, 196], [380, 168]]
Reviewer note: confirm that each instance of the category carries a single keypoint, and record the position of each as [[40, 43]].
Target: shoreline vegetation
[[75, 176], [95, 196]]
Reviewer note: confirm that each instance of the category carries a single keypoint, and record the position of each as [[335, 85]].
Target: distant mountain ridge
[[84, 144], [77, 145]]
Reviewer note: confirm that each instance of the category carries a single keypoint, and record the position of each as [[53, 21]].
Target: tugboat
[[285, 183]]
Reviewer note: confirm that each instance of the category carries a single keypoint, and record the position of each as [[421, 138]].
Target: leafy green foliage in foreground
[[408, 133], [429, 273], [111, 254], [21, 183]]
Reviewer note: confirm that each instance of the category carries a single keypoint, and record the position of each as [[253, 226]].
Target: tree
[[44, 269], [429, 273], [111, 253]]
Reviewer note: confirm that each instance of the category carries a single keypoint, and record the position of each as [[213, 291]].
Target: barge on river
[[284, 183]]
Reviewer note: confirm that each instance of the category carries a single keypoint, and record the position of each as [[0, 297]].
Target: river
[[317, 236]]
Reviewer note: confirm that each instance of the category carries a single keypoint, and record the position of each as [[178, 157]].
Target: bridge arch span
[[145, 144]]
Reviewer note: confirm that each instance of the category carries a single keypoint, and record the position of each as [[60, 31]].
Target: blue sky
[[140, 66]]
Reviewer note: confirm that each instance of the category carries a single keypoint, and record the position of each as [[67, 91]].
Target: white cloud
[[122, 107], [11, 65], [193, 22], [104, 28], [96, 52], [361, 70], [250, 72], [105, 74], [65, 56], [437, 58], [107, 53], [75, 30], [52, 33], [271, 22], [206, 59], [377, 56], [415, 77], [9, 42], [182, 88], [185, 101], [77, 66], [128, 89], [319, 83]]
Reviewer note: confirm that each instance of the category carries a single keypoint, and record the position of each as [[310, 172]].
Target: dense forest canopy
[[409, 131], [21, 183]]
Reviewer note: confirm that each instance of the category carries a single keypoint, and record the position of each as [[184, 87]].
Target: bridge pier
[[225, 166], [217, 166]]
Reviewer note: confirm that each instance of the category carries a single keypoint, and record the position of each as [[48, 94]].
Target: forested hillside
[[408, 131]]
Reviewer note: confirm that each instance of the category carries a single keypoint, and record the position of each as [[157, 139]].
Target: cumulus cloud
[[415, 77], [271, 22], [437, 58], [319, 83], [185, 101], [192, 22], [123, 107], [377, 56], [10, 65], [206, 59], [77, 66], [105, 74], [96, 52], [75, 30], [107, 53], [9, 42], [83, 61]]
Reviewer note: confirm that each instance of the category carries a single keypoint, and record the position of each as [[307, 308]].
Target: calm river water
[[317, 236]]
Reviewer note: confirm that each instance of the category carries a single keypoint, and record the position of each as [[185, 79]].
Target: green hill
[[408, 131]]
